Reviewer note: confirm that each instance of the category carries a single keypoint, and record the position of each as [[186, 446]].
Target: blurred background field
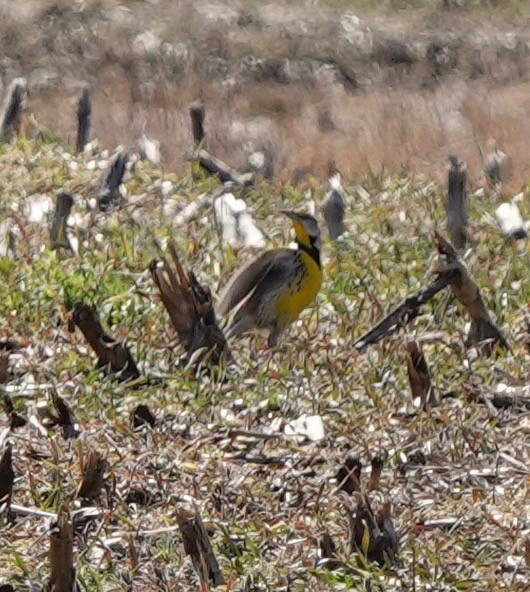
[[356, 85]]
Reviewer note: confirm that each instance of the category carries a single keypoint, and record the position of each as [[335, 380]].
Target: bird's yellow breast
[[302, 290]]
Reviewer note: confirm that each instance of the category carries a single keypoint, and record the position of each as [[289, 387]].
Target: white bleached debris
[[227, 416], [363, 194], [356, 33], [311, 207], [310, 426], [257, 160], [236, 223], [519, 391], [74, 243], [38, 208], [149, 150], [251, 235], [146, 43], [232, 215], [166, 187], [226, 212], [192, 209], [4, 238], [8, 236], [511, 221]]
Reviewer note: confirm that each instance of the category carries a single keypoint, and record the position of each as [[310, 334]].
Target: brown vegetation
[[252, 478], [314, 88]]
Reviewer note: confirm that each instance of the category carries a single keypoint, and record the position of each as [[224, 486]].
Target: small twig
[[260, 459], [36, 513], [449, 522], [157, 531], [234, 433]]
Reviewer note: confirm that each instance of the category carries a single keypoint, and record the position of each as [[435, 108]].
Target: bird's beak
[[298, 226], [293, 215]]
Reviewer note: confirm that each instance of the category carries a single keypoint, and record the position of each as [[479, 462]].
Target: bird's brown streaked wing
[[277, 275], [247, 278], [257, 307]]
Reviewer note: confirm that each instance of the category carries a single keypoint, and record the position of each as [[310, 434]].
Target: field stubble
[[266, 501]]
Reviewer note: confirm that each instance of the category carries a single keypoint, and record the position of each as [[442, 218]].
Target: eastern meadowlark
[[272, 290]]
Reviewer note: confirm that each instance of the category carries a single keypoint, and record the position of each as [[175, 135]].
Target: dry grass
[[398, 118], [306, 130], [265, 501]]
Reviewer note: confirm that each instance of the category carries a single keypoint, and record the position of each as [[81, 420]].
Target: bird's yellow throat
[[304, 243], [301, 234], [301, 293]]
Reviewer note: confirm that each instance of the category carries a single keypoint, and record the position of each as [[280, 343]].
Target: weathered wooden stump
[[456, 205], [84, 114]]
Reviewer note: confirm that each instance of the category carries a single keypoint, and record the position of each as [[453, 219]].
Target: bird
[[272, 290]]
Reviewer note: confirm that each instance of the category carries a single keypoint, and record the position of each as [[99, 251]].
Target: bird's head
[[306, 230]]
